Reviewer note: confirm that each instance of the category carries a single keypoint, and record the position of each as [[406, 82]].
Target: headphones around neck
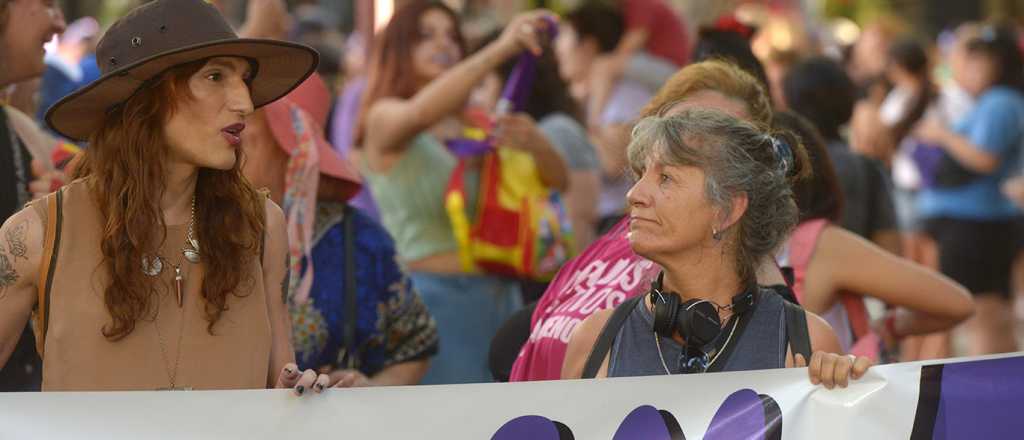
[[696, 320]]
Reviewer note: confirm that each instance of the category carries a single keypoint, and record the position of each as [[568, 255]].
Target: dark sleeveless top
[[761, 345]]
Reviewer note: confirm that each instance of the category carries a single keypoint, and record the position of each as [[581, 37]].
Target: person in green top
[[418, 83]]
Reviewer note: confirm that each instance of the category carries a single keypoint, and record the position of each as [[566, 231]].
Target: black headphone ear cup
[[666, 308], [697, 321]]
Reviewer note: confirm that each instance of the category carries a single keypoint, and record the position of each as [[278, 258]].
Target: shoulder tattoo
[[8, 275]]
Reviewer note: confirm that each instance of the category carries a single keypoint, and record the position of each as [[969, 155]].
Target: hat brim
[[282, 67], [330, 163]]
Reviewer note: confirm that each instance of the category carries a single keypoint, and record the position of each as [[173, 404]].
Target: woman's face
[[574, 58], [21, 44], [265, 161], [975, 72], [205, 130], [669, 211], [437, 49]]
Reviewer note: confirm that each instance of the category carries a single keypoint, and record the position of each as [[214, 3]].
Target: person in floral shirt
[[385, 336]]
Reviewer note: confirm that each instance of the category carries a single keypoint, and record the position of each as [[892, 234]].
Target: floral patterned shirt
[[392, 323]]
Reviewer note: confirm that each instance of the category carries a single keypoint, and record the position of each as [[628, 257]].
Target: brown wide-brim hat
[[166, 33]]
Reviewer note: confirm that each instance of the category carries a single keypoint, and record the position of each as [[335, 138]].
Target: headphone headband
[[740, 303]]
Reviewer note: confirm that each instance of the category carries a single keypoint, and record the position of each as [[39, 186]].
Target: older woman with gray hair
[[712, 200]]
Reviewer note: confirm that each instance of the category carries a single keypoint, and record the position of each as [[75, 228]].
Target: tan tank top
[[77, 357]]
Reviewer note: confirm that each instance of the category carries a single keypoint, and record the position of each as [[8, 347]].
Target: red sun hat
[[312, 100]]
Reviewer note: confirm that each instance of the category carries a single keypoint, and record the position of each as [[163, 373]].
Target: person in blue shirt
[[975, 225], [72, 65], [355, 314]]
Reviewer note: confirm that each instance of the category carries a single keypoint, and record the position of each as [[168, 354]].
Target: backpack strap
[[797, 336], [351, 294], [47, 266], [607, 337]]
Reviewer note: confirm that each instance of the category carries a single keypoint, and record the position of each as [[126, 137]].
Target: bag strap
[[351, 294], [857, 312], [801, 247], [797, 336], [48, 265], [607, 337]]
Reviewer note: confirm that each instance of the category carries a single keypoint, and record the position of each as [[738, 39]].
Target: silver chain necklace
[[154, 266], [657, 343]]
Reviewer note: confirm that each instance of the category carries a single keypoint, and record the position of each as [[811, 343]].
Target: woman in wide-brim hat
[[159, 266]]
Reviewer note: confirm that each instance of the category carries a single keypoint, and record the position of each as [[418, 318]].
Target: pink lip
[[232, 134]]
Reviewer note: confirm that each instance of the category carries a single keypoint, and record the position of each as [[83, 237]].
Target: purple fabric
[[513, 99], [981, 399], [519, 84], [927, 158], [462, 147], [343, 128]]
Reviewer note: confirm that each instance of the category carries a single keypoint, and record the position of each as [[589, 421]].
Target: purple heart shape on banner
[[648, 423], [532, 428], [741, 416]]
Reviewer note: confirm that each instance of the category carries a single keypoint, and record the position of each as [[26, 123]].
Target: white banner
[[965, 398]]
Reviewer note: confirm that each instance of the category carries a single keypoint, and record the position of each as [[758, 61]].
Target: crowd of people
[[192, 203]]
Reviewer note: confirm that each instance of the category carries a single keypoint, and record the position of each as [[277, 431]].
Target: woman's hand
[[300, 382], [831, 369], [527, 31], [518, 131], [932, 131], [1013, 189]]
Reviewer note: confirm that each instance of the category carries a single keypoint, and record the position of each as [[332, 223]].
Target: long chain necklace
[[172, 374], [153, 266]]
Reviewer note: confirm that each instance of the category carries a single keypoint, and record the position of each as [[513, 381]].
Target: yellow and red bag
[[520, 228]]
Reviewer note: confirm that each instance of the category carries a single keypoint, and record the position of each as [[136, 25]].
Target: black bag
[[950, 173]]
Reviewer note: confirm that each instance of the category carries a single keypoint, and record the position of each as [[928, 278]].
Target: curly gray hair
[[737, 158]]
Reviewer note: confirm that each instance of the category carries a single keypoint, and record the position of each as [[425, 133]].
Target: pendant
[[178, 278], [192, 253], [152, 267]]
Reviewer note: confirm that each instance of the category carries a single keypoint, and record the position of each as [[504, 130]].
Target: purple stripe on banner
[[982, 399]]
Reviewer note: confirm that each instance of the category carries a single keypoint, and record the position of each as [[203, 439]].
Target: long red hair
[[124, 168], [390, 71]]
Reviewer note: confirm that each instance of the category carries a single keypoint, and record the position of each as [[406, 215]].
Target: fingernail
[[288, 370], [300, 389]]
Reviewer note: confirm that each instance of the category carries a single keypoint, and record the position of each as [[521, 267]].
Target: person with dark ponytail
[[712, 200], [974, 223], [923, 300]]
